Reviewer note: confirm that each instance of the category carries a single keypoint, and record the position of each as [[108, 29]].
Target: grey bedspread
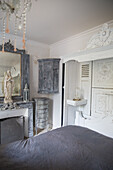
[[66, 148]]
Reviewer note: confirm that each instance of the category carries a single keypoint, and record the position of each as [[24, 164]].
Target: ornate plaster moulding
[[100, 46], [103, 38]]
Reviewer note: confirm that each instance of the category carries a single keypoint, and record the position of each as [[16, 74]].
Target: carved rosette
[[102, 38]]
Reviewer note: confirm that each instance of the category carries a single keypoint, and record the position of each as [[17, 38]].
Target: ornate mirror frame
[[25, 67]]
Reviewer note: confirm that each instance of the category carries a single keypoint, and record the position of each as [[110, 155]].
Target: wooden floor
[[38, 131]]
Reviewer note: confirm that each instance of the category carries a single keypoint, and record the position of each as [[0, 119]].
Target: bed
[[66, 148]]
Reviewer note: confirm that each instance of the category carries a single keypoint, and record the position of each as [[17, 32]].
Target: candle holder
[[26, 93]]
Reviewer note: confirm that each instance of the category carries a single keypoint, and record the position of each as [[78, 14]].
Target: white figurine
[[8, 87]]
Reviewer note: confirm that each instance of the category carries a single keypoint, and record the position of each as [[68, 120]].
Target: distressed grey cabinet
[[48, 76], [41, 112]]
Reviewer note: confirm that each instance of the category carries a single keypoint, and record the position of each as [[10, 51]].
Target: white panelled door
[[85, 83]]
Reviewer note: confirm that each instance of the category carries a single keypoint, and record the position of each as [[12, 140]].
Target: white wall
[[66, 48], [36, 50]]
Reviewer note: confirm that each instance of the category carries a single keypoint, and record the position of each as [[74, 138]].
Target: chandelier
[[16, 9]]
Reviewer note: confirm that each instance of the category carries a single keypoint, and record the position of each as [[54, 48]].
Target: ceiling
[[50, 21]]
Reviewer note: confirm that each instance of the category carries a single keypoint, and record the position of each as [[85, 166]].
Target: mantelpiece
[[100, 46], [25, 109]]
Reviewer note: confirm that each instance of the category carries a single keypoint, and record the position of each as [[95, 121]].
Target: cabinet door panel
[[48, 76], [56, 76]]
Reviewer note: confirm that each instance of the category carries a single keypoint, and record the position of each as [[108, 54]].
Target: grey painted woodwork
[[11, 129], [25, 67], [28, 105], [48, 76], [41, 113]]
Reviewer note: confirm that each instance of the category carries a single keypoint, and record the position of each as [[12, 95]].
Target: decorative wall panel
[[103, 73], [102, 102]]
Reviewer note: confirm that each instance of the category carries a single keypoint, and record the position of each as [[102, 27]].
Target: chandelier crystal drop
[[16, 9]]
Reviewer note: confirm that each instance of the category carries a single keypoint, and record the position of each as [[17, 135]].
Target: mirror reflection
[[10, 62]]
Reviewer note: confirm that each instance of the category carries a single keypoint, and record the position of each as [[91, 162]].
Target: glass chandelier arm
[[5, 6], [11, 8], [26, 7], [2, 6]]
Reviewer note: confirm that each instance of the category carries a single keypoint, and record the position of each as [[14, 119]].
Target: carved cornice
[[8, 46], [103, 38]]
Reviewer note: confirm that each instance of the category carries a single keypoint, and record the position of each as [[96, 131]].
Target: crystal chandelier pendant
[[7, 27], [3, 35], [18, 9]]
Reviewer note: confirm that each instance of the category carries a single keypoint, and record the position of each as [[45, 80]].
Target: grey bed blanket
[[66, 148]]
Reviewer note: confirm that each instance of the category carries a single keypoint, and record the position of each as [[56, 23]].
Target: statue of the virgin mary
[[8, 87]]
